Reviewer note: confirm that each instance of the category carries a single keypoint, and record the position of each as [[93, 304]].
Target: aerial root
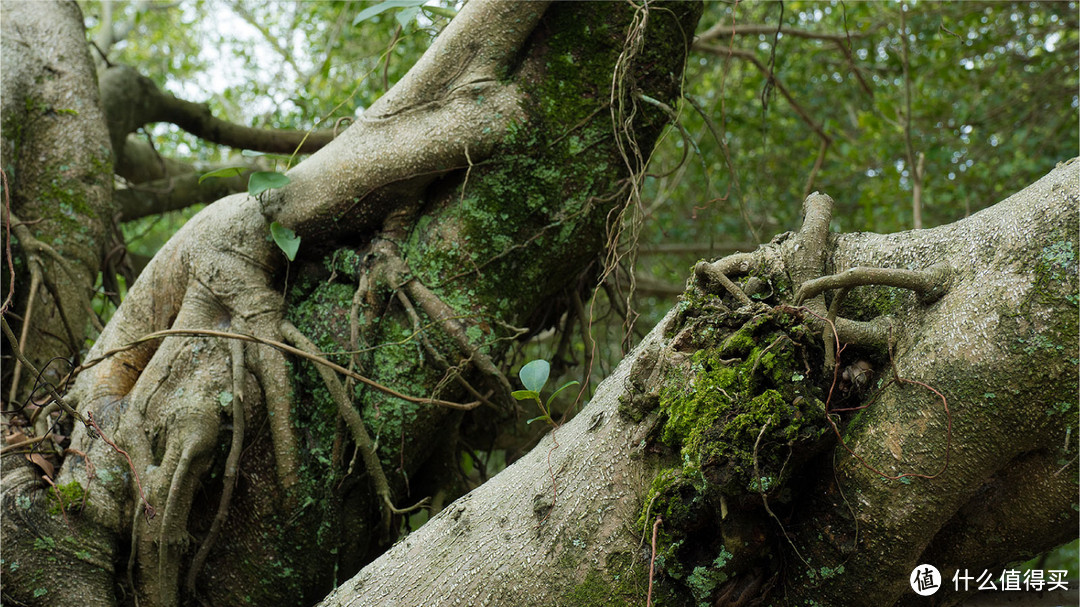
[[396, 272], [440, 361], [356, 426], [439, 311], [717, 272], [805, 263], [929, 284], [36, 251]]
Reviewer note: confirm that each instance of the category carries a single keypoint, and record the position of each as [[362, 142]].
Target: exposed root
[[28, 315], [232, 465], [397, 274], [272, 370], [439, 311], [440, 361], [174, 536], [717, 273], [803, 258], [929, 284], [36, 251]]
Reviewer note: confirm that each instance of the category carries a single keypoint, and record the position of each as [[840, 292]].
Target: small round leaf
[[534, 375], [286, 240], [260, 181]]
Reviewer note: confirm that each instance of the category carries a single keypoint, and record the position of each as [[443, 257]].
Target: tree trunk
[[437, 229], [714, 432], [57, 163]]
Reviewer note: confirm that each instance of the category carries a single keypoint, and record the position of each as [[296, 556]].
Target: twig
[[25, 443], [652, 560], [33, 370], [285, 348]]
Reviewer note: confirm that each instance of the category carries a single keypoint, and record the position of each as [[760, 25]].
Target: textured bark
[[462, 203], [57, 160], [1001, 344]]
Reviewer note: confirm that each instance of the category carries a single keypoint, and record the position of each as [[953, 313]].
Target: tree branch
[[725, 51], [725, 29], [132, 100], [174, 193]]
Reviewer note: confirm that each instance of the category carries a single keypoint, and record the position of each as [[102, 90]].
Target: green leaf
[[406, 16], [466, 463], [225, 172], [525, 395], [260, 181], [442, 11], [534, 374], [382, 7], [561, 388], [286, 240], [546, 418]]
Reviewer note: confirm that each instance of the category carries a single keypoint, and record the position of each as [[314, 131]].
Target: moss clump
[[748, 383], [70, 494], [743, 419]]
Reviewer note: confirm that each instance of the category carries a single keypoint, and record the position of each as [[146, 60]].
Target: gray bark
[[460, 205], [57, 161], [1000, 343]]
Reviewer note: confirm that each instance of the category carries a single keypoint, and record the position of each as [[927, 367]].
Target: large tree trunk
[[57, 164], [463, 205], [732, 454]]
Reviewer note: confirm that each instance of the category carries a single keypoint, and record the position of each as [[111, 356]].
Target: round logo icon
[[925, 580]]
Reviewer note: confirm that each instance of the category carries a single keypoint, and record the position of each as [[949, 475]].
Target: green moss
[[703, 581], [72, 496], [744, 407], [44, 543], [627, 584], [718, 415], [594, 591]]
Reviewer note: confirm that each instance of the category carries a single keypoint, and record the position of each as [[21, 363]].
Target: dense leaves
[[993, 106]]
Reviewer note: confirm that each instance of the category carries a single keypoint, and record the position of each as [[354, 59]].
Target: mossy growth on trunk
[[742, 414]]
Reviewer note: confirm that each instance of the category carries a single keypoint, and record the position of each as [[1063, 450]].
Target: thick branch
[[132, 100], [432, 121], [174, 193]]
